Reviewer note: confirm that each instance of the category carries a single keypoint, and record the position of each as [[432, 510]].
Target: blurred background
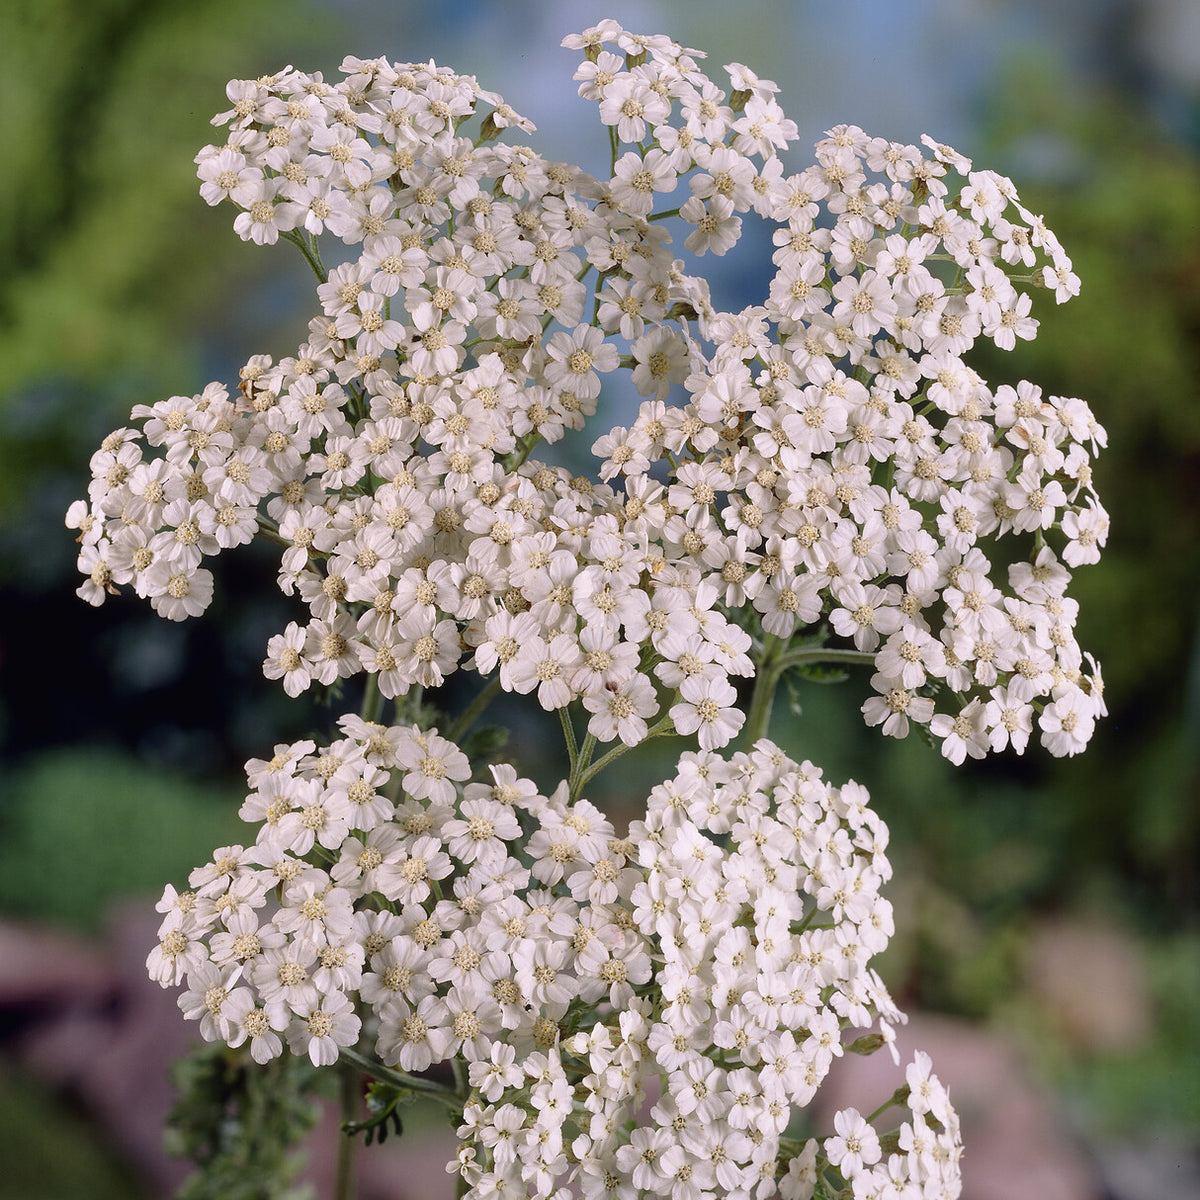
[[1048, 911]]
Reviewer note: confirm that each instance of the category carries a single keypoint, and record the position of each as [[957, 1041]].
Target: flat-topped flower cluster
[[819, 476], [708, 963], [832, 466]]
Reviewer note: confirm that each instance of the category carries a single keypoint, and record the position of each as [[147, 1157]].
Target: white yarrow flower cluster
[[836, 466], [711, 962], [821, 475]]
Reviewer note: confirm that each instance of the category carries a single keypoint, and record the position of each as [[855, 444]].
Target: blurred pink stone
[[1091, 984], [1016, 1141], [91, 1022]]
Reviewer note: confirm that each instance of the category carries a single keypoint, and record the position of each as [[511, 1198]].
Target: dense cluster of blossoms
[[820, 475], [836, 464], [704, 968]]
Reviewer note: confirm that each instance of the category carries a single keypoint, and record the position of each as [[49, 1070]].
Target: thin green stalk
[[515, 458], [569, 737], [270, 535], [372, 705], [776, 659], [579, 771], [312, 254], [828, 1186], [766, 679], [823, 654], [350, 1096], [413, 1083], [663, 728], [461, 1083], [801, 925], [899, 1096], [472, 712]]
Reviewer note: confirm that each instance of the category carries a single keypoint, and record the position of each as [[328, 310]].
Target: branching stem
[[312, 254], [474, 710], [775, 660], [412, 1083], [579, 771], [824, 654], [665, 727], [899, 1096]]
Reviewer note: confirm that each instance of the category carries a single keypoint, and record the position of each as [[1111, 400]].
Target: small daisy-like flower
[[323, 1028], [855, 1146], [707, 709]]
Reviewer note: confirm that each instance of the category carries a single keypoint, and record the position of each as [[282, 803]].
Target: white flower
[[546, 666], [574, 360], [726, 940], [1067, 722], [893, 708], [210, 989], [265, 217], [855, 1146], [707, 709], [621, 710], [286, 660], [177, 593], [965, 734], [413, 1040], [261, 1025], [323, 1028], [496, 1073]]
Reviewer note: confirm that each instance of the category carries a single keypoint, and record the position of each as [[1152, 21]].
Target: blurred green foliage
[[108, 261], [1124, 203], [104, 248], [242, 1124], [82, 828], [1155, 1086], [50, 1152]]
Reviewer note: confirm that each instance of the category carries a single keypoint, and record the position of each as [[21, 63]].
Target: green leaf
[[484, 744]]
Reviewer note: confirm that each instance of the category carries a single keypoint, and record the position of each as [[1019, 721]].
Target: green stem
[[805, 922], [899, 1096], [823, 654], [579, 773], [461, 1084], [828, 1187], [775, 660], [569, 737], [663, 728], [372, 705], [312, 255], [516, 457], [350, 1095], [270, 535], [766, 679], [412, 1083], [471, 713]]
